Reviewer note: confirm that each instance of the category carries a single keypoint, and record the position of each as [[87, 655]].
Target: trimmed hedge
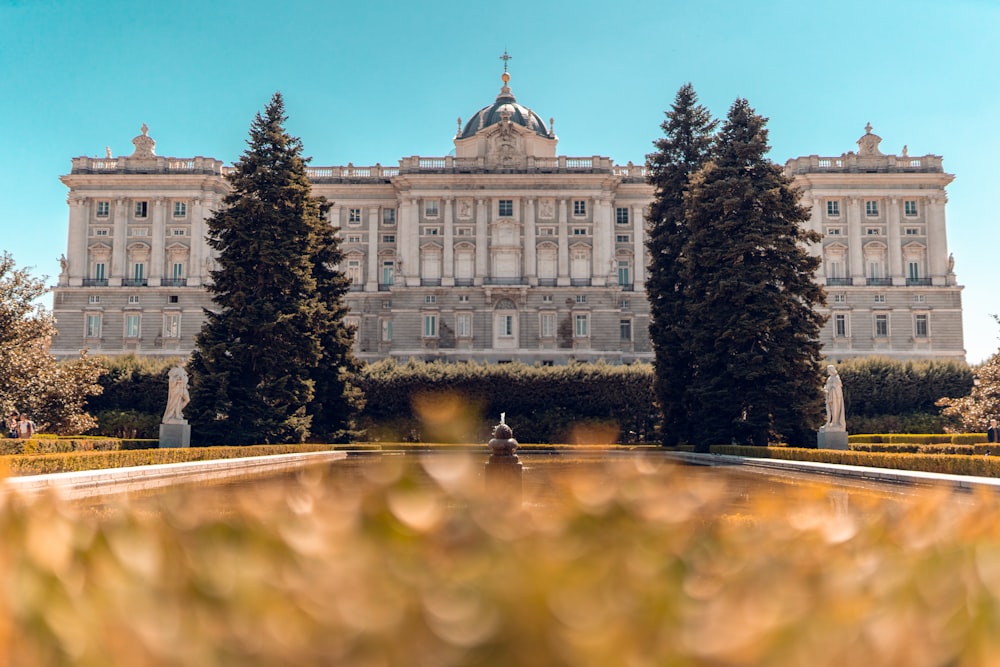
[[919, 438], [49, 444], [42, 464], [952, 464]]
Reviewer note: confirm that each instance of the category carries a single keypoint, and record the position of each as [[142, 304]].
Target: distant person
[[25, 427], [993, 432], [12, 430]]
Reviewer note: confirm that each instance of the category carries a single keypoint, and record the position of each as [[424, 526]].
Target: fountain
[[503, 470]]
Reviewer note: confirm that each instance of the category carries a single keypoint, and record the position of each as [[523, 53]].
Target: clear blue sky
[[368, 82]]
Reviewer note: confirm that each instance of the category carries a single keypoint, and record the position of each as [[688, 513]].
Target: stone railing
[[853, 163], [350, 171], [154, 165]]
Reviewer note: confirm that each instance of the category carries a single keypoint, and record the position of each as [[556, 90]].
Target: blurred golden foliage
[[631, 563]]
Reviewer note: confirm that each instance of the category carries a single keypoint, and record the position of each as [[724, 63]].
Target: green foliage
[[972, 409], [750, 323], [31, 381], [911, 422], [133, 383], [877, 386], [272, 362], [683, 150], [461, 402], [128, 424]]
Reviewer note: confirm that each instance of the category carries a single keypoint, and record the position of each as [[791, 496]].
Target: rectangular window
[[621, 216], [833, 208], [389, 216], [172, 325], [622, 238], [463, 298], [94, 298], [354, 238], [913, 270], [354, 271], [103, 209], [912, 231], [505, 326], [388, 273], [840, 298], [431, 208], [100, 271], [873, 231], [546, 231], [386, 331], [179, 231], [180, 209], [920, 326], [139, 271], [580, 330], [101, 232], [871, 208], [141, 209], [833, 231], [579, 231], [581, 298], [881, 326], [133, 298], [919, 298], [131, 326], [880, 298], [93, 326], [173, 298], [910, 208], [430, 231], [354, 216], [463, 325], [430, 326], [177, 271], [547, 325], [579, 208], [624, 269], [387, 304], [546, 298], [625, 329], [388, 238], [430, 298], [625, 303], [840, 326], [505, 208]]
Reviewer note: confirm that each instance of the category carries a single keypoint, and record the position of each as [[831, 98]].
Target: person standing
[[25, 427], [12, 421], [993, 432]]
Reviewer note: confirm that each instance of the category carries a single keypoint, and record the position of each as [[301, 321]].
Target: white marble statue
[[834, 389], [177, 396]]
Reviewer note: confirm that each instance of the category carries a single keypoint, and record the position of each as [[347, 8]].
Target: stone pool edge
[[883, 475], [108, 481]]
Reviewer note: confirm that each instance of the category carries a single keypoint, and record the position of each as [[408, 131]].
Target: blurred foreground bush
[[634, 565]]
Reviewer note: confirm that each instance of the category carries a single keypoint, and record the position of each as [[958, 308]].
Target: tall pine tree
[[686, 145], [273, 357], [750, 295]]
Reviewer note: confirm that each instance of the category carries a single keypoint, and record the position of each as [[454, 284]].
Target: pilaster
[[157, 243], [482, 242], [118, 244], [448, 254], [371, 253], [563, 277], [895, 247], [77, 245], [937, 242], [856, 257], [638, 221], [197, 271], [530, 256]]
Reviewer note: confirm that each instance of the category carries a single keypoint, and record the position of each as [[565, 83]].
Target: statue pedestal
[[831, 439], [175, 435]]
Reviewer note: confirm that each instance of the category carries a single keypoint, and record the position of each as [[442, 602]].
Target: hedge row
[[41, 464], [52, 445], [956, 464], [919, 438]]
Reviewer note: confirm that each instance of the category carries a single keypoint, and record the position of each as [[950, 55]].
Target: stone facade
[[504, 251]]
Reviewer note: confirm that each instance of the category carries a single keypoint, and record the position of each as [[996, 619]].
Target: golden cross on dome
[[505, 57]]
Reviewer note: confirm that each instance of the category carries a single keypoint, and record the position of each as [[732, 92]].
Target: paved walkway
[[884, 475], [90, 483]]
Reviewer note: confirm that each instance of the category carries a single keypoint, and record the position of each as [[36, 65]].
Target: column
[[937, 241], [76, 248], [857, 262], [895, 258], [482, 242], [638, 246], [530, 258], [118, 244], [603, 242], [157, 243], [371, 253], [408, 242], [197, 272], [563, 276], [816, 225], [448, 254]]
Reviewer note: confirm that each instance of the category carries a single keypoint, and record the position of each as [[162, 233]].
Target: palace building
[[504, 251]]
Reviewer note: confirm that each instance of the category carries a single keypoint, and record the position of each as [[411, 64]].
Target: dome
[[505, 105]]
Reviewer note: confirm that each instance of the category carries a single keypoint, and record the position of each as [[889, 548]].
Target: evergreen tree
[[684, 148], [275, 346], [750, 295]]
